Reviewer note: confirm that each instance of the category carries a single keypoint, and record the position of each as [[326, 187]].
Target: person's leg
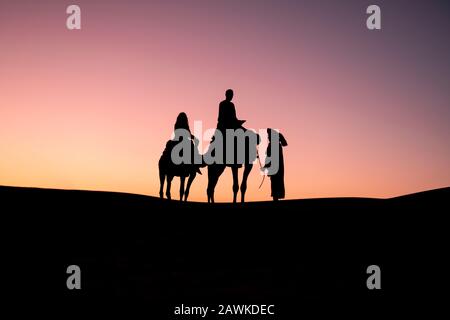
[[276, 187], [273, 190], [282, 191]]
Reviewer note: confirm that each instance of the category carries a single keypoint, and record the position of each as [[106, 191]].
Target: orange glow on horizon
[[363, 116]]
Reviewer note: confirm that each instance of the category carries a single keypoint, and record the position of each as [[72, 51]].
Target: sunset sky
[[365, 113]]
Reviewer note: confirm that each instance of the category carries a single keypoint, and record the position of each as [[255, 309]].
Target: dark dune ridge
[[295, 254], [14, 193]]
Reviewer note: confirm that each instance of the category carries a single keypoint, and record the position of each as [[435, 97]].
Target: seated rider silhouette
[[227, 114], [165, 161], [227, 120]]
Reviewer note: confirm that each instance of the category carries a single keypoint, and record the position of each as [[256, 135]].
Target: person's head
[[272, 133], [182, 122], [229, 94]]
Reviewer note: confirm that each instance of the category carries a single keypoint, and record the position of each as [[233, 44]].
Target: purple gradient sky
[[366, 113]]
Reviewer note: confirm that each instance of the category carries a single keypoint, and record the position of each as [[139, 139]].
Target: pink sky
[[365, 113]]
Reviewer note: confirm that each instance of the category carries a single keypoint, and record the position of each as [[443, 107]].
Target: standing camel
[[215, 170], [168, 169]]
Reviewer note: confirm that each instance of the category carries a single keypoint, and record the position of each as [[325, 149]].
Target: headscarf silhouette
[[182, 122]]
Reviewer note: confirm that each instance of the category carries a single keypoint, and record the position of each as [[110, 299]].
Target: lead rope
[[260, 167]]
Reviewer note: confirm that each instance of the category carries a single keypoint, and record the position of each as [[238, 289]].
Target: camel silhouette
[[168, 169], [215, 170]]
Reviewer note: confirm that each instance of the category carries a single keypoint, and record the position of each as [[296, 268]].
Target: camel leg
[[211, 183], [188, 186], [235, 183], [210, 192], [209, 188], [214, 172], [169, 185], [247, 169], [162, 177], [182, 180]]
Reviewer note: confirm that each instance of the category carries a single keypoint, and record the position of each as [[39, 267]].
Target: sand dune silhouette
[[135, 248]]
